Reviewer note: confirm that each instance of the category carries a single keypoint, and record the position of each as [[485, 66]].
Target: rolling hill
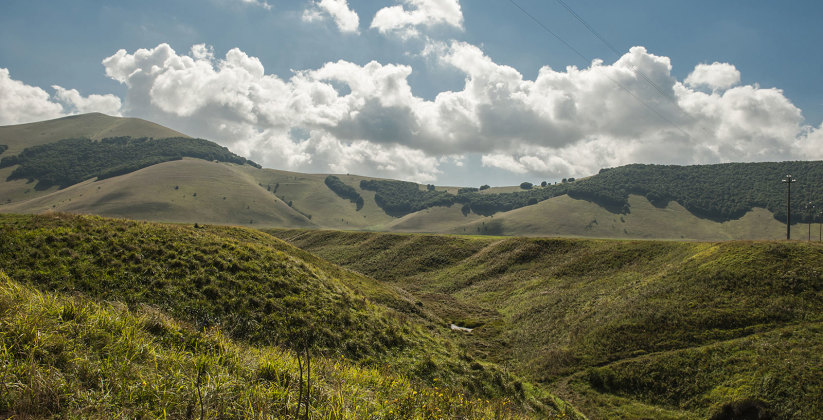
[[228, 309], [705, 202], [95, 126], [623, 329]]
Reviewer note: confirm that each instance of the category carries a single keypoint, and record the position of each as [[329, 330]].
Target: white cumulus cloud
[[259, 3], [345, 18], [21, 103], [714, 76], [347, 117], [74, 102], [405, 21]]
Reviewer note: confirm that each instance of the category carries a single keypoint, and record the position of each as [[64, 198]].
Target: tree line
[[69, 161], [344, 191], [719, 192]]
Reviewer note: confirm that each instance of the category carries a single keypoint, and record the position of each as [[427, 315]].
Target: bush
[[526, 185]]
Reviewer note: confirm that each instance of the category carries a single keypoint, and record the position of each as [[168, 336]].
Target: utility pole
[[820, 226], [810, 210], [788, 180]]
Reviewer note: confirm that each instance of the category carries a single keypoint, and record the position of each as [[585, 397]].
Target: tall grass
[[70, 357], [258, 292]]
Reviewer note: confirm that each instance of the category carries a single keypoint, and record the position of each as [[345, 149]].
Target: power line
[[637, 71], [617, 53], [588, 60]]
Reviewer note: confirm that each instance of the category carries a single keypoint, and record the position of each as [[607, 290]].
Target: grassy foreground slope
[[71, 357], [621, 328], [255, 290]]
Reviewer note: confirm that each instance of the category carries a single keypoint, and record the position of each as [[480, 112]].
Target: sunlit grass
[[655, 329], [71, 357]]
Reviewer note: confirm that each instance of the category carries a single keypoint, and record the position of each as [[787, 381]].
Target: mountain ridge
[[632, 201]]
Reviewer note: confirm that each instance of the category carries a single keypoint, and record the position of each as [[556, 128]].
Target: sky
[[451, 92]]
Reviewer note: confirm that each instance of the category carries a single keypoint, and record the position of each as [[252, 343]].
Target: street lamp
[[788, 180]]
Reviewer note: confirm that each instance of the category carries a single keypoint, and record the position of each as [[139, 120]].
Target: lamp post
[[788, 180]]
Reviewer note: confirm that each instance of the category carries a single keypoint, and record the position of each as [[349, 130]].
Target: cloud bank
[[345, 117], [21, 103]]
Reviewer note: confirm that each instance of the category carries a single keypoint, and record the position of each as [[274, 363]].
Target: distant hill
[[158, 180], [95, 126]]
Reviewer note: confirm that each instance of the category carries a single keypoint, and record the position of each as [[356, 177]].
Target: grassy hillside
[[72, 357], [189, 190], [256, 290], [95, 126], [71, 161], [310, 195], [621, 328], [566, 216], [707, 202]]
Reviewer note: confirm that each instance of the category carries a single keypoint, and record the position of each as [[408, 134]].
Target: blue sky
[[454, 93]]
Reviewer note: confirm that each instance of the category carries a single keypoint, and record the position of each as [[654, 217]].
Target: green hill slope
[[622, 328], [95, 126], [566, 216], [704, 202], [188, 190], [72, 357], [256, 290]]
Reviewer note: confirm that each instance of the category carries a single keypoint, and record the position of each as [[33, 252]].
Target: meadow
[[141, 317], [619, 328]]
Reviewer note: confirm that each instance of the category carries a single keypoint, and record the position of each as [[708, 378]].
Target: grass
[[257, 291], [565, 216], [71, 357], [566, 312], [190, 190], [95, 126]]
